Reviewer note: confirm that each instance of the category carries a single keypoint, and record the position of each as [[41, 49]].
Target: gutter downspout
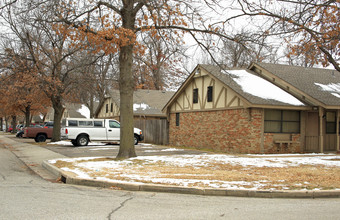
[[337, 131], [321, 113]]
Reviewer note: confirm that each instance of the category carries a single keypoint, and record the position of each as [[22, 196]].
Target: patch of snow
[[60, 143], [144, 144], [67, 143], [163, 150], [85, 111], [291, 155], [141, 106], [172, 149], [197, 161], [262, 88], [333, 88], [103, 148]]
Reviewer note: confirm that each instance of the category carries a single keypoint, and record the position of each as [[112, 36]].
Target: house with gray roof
[[71, 110], [147, 111], [266, 108]]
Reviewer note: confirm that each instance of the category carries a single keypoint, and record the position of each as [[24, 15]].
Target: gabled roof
[[254, 90], [321, 84], [71, 108], [146, 102], [74, 110]]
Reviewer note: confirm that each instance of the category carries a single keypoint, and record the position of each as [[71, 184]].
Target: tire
[[40, 138], [74, 142], [136, 139], [19, 135], [82, 140]]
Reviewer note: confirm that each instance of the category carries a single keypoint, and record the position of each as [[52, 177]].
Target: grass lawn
[[289, 172]]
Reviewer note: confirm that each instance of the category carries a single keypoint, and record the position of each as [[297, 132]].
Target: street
[[24, 195]]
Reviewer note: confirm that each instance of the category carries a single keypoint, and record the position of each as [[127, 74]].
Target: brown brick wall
[[230, 131], [272, 148]]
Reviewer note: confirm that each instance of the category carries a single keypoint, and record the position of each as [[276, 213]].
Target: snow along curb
[[71, 178]]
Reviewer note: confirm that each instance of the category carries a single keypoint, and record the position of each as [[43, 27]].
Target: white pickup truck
[[81, 130]]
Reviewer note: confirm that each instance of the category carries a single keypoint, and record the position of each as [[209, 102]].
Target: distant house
[[147, 111], [267, 108], [72, 110]]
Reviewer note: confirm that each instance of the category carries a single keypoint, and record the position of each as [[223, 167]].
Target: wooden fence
[[156, 131]]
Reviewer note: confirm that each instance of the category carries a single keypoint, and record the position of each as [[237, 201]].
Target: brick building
[[267, 108]]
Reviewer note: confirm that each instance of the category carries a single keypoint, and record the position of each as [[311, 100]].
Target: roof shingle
[[321, 84]]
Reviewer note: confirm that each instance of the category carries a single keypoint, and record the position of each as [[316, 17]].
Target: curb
[[71, 178]]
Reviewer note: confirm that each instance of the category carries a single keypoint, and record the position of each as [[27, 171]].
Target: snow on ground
[[66, 143], [163, 150], [196, 161], [255, 85]]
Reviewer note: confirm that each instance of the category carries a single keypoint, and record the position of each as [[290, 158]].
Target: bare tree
[[54, 58], [115, 27], [309, 27], [159, 67], [96, 80], [235, 54]]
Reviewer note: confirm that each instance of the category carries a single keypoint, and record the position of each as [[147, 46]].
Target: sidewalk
[[33, 156], [36, 157]]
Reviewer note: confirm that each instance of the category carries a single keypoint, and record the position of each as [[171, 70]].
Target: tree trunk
[[127, 148], [126, 85], [27, 116], [58, 113], [14, 123], [91, 106]]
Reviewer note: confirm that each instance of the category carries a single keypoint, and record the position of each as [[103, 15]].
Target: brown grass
[[294, 178]]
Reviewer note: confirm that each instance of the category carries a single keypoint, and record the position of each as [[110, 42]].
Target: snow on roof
[[141, 106], [85, 111], [262, 88], [333, 88]]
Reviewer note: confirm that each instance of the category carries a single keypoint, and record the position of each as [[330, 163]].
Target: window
[[195, 96], [72, 123], [86, 123], [281, 121], [111, 107], [330, 123], [210, 93], [107, 108], [177, 119], [114, 124], [98, 123]]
